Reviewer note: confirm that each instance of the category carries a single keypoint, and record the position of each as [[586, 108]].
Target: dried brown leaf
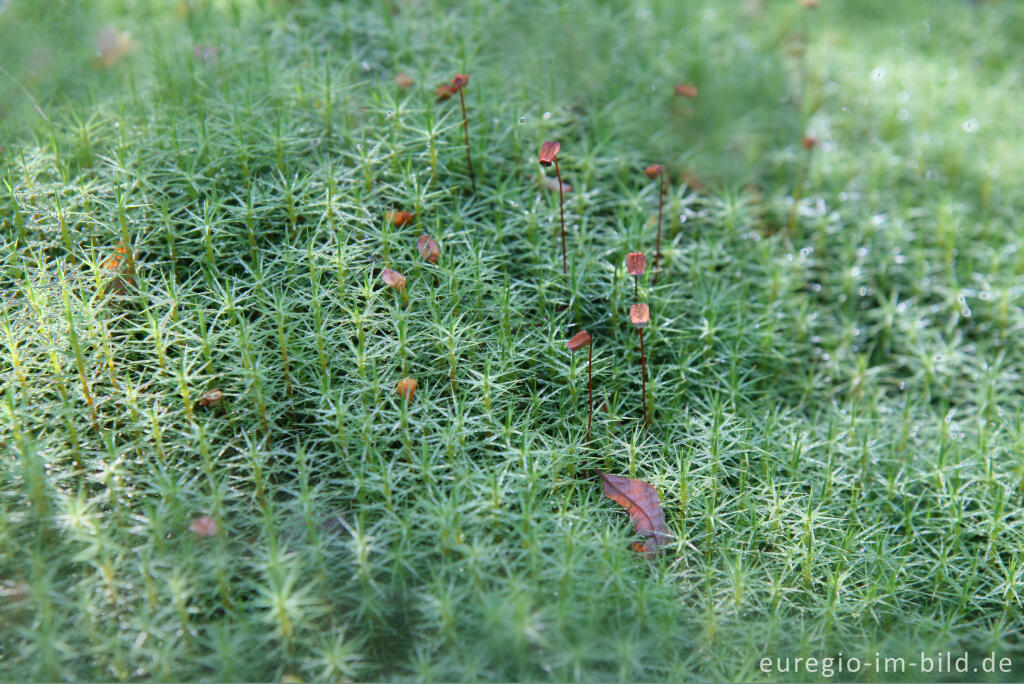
[[393, 278], [406, 387], [400, 218], [428, 248], [640, 500]]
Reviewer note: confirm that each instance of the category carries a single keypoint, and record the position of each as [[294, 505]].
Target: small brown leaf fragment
[[639, 315], [640, 500], [122, 270], [428, 248], [116, 259], [393, 278], [580, 340], [548, 151], [685, 90], [809, 142], [404, 80], [400, 218], [210, 398], [654, 170], [406, 387], [636, 263], [203, 526]]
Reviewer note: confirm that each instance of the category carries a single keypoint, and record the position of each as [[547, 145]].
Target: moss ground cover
[[833, 367]]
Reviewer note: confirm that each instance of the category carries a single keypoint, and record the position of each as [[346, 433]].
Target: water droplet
[[950, 414], [970, 126], [878, 74], [863, 292], [522, 119], [388, 114], [547, 115], [902, 385]]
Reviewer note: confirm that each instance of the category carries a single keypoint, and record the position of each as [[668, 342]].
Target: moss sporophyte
[[548, 156]]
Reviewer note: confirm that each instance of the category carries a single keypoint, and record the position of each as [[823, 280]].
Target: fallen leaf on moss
[[121, 267], [400, 218], [640, 500]]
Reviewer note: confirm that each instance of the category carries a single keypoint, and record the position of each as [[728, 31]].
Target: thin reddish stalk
[[636, 279], [643, 374], [561, 210], [590, 388], [465, 129]]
